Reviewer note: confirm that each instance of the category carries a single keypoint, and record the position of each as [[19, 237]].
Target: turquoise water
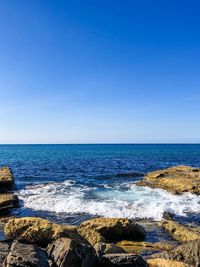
[[75, 182]]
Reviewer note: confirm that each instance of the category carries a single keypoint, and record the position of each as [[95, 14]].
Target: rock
[[6, 179], [188, 252], [4, 250], [178, 179], [165, 263], [180, 232], [38, 231], [8, 201], [103, 248], [26, 256], [111, 230], [122, 260], [68, 252], [142, 247]]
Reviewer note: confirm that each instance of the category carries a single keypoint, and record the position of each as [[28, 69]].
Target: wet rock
[[38, 231], [26, 256], [8, 201], [4, 250], [6, 179], [103, 248], [188, 252], [180, 232], [165, 263], [122, 260], [142, 247], [178, 179], [111, 230], [68, 252]]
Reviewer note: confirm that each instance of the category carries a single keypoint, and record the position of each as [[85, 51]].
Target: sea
[[73, 183]]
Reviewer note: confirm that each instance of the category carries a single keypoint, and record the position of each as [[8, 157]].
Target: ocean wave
[[126, 200]]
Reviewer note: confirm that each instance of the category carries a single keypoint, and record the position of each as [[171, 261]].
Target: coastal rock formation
[[122, 260], [8, 201], [37, 230], [25, 255], [107, 248], [111, 230], [178, 179], [188, 252], [141, 247], [166, 263], [4, 250], [180, 232], [68, 252], [6, 179]]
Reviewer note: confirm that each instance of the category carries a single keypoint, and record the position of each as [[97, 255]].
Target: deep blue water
[[79, 181]]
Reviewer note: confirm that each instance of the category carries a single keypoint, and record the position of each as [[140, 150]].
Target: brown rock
[[178, 179], [165, 263], [37, 230], [111, 230], [109, 248], [122, 260], [8, 201], [180, 232], [68, 252], [141, 247], [26, 256], [6, 179], [188, 252]]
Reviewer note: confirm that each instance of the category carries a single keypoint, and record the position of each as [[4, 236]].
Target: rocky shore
[[101, 242]]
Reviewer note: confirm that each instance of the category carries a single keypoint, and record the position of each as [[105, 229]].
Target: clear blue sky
[[99, 71]]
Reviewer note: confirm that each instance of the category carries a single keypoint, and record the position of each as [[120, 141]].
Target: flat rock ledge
[[177, 180], [7, 199]]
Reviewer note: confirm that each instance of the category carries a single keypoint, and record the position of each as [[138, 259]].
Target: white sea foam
[[131, 201]]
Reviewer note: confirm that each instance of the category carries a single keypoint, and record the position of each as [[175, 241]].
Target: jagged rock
[[6, 179], [122, 260], [111, 230], [178, 179], [23, 255], [8, 201], [188, 252], [180, 232], [165, 263], [141, 247], [109, 248], [4, 250], [38, 231], [68, 252]]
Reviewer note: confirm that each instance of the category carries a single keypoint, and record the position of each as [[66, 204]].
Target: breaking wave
[[124, 200]]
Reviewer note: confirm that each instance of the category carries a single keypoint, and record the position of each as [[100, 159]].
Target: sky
[[106, 71]]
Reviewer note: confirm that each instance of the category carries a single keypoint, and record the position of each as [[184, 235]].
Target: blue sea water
[[76, 182]]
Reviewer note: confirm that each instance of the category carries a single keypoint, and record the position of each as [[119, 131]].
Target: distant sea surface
[[72, 183]]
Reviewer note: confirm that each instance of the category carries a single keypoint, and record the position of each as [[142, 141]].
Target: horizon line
[[114, 143]]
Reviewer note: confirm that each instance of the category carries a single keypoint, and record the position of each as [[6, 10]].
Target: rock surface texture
[[37, 230], [177, 180], [188, 252], [8, 201], [111, 230], [68, 252], [26, 256], [180, 232], [122, 260], [165, 263], [6, 179], [4, 250]]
